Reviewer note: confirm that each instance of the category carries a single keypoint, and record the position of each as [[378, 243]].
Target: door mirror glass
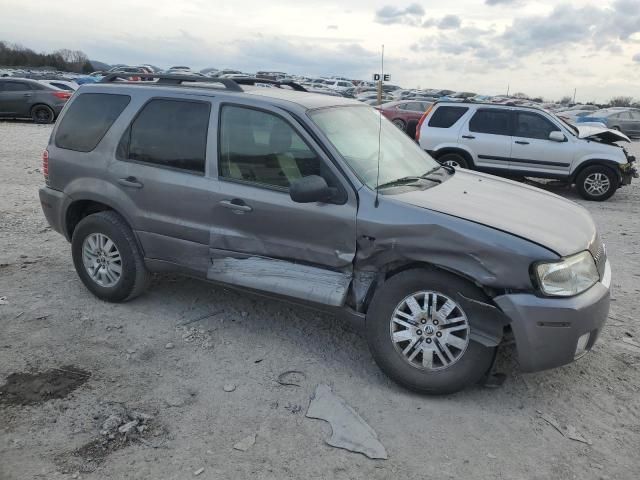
[[557, 136], [312, 188]]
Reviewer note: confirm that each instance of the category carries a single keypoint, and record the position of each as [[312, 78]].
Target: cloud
[[449, 22], [501, 2], [410, 15]]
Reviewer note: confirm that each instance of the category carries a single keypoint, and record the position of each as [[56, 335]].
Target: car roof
[[486, 104], [304, 100]]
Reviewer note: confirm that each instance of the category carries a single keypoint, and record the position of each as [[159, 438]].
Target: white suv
[[526, 141]]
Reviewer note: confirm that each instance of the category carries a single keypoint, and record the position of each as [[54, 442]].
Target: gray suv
[[319, 200]]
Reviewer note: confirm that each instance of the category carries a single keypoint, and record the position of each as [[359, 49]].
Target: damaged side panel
[[280, 277]]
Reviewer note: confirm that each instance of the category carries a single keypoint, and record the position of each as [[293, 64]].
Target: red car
[[401, 112]]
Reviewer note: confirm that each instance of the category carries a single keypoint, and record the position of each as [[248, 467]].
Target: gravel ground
[[142, 358]]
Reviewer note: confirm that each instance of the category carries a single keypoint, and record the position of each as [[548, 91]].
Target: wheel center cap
[[429, 329]]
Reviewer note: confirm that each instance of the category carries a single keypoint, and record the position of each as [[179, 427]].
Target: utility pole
[[508, 88], [574, 94], [381, 78]]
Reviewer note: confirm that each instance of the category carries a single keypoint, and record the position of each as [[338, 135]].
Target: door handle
[[237, 205], [521, 142], [130, 182], [470, 137], [26, 94]]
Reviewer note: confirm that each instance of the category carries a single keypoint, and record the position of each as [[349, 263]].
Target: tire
[[42, 114], [591, 181], [454, 159], [133, 277], [400, 124], [472, 362]]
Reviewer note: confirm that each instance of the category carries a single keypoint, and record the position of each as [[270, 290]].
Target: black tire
[[454, 160], [42, 114], [471, 367], [588, 174], [134, 277], [400, 124]]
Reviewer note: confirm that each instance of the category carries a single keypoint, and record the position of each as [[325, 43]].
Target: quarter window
[[88, 119], [532, 125], [260, 147], [169, 133], [445, 117], [495, 122]]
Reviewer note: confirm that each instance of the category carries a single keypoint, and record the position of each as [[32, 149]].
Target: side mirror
[[557, 136], [310, 189]]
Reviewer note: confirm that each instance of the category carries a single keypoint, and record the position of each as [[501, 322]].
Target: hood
[[527, 212], [605, 135]]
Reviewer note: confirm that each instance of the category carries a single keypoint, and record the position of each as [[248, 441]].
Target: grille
[[599, 252]]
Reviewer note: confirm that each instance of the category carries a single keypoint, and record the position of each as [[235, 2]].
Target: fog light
[[581, 348]]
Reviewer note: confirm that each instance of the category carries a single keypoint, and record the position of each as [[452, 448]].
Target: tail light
[[45, 166], [62, 95], [422, 119]]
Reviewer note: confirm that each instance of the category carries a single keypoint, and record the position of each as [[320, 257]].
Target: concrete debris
[[229, 387], [491, 456], [246, 443], [169, 346], [3, 301], [198, 472], [111, 423], [569, 432], [126, 428], [349, 430]]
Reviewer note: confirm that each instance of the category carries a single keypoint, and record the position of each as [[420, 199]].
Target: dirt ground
[[163, 363]]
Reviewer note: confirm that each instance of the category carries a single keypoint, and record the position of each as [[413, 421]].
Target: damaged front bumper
[[550, 332], [628, 171]]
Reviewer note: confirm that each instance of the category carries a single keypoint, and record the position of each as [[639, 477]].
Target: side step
[[284, 278]]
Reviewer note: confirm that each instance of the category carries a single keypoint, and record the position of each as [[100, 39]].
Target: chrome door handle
[[130, 182], [237, 205]]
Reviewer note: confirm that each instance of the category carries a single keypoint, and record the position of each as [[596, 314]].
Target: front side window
[[260, 147], [495, 122], [169, 133], [88, 119], [356, 132], [532, 125]]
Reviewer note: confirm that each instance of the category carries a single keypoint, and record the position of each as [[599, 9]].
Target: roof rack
[[167, 79], [254, 80]]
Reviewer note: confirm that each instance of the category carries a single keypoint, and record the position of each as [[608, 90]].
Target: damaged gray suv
[[319, 200]]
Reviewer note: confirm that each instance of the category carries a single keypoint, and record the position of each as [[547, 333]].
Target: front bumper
[[628, 171], [53, 205], [547, 330]]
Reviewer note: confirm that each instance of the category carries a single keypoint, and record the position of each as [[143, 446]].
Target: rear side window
[[88, 119], [16, 86], [169, 133], [495, 122], [445, 117]]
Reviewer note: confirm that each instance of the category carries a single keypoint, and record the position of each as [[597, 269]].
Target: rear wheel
[[420, 336], [42, 114], [597, 183], [107, 258], [454, 160], [400, 124]]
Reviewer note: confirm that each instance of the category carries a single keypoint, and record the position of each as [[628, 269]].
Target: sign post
[[379, 78]]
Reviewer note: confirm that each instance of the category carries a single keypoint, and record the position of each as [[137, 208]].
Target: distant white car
[[339, 85], [528, 142]]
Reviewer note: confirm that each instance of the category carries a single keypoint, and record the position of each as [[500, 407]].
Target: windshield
[[354, 132], [572, 128]]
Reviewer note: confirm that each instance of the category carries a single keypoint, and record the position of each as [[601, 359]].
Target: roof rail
[[253, 80], [169, 79]]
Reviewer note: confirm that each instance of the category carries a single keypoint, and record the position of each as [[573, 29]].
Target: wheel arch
[[438, 153], [612, 164]]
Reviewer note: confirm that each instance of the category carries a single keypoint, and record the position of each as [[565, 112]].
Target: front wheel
[[107, 258], [597, 183], [420, 336]]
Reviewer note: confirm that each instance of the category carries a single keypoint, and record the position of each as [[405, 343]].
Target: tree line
[[14, 55]]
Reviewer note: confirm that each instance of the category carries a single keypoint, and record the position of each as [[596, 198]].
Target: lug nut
[[438, 334], [423, 321], [435, 322], [419, 332], [428, 340]]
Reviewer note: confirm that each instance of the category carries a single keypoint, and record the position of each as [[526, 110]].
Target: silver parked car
[[624, 120], [317, 200], [26, 98]]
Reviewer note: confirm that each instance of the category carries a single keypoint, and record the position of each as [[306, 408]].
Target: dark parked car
[[626, 121], [25, 98], [318, 200], [402, 112]]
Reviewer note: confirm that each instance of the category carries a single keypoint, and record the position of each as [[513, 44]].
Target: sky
[[543, 48]]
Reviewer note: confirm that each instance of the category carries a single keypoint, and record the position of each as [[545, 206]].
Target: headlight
[[568, 277]]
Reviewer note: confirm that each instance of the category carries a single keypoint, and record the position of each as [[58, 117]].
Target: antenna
[[377, 202]]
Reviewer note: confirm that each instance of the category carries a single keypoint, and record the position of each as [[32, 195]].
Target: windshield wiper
[[399, 181]]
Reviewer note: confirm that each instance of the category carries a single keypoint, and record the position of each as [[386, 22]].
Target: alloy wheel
[[429, 330], [101, 260], [597, 184]]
